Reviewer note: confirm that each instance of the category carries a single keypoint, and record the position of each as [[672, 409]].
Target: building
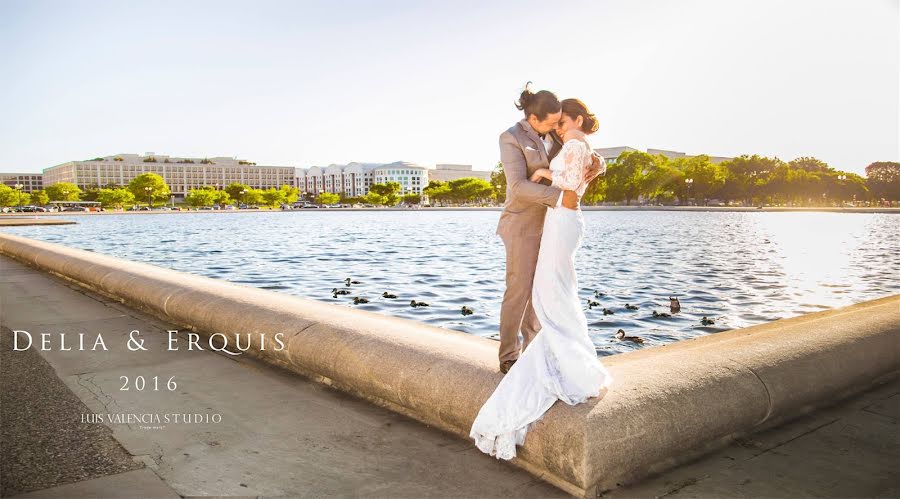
[[29, 182], [411, 177], [611, 154], [180, 174], [449, 172], [354, 179], [676, 154]]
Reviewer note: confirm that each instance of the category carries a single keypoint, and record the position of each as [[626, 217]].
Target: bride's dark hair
[[573, 108], [539, 104]]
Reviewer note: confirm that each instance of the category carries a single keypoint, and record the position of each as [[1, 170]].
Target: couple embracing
[[548, 164]]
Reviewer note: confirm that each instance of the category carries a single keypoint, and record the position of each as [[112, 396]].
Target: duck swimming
[[674, 305], [337, 291], [592, 304], [348, 282], [607, 311], [357, 300], [707, 321], [598, 294], [414, 303], [662, 315], [620, 335], [388, 295], [466, 310], [631, 307]]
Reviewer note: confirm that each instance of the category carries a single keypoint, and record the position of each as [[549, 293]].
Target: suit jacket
[[522, 152]]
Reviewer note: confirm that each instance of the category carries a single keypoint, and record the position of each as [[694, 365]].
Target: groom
[[525, 147]]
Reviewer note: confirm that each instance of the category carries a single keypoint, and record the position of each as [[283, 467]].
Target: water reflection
[[737, 268]]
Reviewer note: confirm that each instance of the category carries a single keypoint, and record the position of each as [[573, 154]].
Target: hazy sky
[[312, 83]]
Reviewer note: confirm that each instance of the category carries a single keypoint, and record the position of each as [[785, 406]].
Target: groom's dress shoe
[[506, 365]]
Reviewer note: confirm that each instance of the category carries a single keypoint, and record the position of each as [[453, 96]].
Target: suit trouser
[[517, 312]]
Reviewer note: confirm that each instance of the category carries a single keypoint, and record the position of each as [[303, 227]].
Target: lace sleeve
[[571, 173]]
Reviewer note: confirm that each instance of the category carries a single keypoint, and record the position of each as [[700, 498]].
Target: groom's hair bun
[[573, 108], [539, 104]]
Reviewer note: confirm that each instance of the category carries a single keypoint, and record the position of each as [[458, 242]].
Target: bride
[[561, 361]]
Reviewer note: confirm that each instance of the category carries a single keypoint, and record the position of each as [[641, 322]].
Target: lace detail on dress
[[567, 168]]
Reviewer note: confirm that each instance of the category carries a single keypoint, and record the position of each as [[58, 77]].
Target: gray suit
[[520, 227]]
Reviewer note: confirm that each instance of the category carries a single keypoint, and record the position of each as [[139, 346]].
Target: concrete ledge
[[22, 221], [670, 403]]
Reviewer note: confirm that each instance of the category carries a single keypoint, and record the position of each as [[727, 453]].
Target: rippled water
[[737, 268]]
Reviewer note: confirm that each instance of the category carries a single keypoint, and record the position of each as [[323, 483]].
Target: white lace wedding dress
[[561, 361]]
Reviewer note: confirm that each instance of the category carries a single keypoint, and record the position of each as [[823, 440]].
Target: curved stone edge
[[669, 404]]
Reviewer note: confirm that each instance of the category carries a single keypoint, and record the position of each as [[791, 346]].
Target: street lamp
[[242, 195], [689, 182], [18, 187], [149, 197]]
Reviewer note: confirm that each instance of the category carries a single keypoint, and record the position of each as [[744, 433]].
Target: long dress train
[[561, 362]]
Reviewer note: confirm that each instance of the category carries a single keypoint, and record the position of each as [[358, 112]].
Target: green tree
[[437, 191], [234, 190], [63, 191], [203, 196], [291, 194], [373, 198], [328, 198], [412, 199], [470, 189], [90, 193], [150, 187], [116, 198], [843, 186], [388, 192], [883, 180], [746, 177], [659, 178], [39, 197], [273, 197], [253, 196], [498, 180], [624, 179], [13, 197], [707, 178], [809, 164]]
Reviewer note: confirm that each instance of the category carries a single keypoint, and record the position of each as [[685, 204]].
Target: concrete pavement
[[280, 434]]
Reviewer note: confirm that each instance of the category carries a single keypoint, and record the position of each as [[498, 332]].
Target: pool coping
[[669, 404]]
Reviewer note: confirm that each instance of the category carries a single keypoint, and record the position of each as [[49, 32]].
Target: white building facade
[[411, 177], [180, 174], [355, 179]]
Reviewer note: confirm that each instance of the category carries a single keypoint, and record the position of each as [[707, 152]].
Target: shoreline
[[781, 209]]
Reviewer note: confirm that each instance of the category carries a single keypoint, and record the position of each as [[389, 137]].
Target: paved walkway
[[279, 434], [848, 450], [283, 435]]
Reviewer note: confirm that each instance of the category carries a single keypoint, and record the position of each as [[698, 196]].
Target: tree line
[[748, 180], [634, 176]]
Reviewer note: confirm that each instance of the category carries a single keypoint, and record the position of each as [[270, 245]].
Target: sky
[[314, 83]]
